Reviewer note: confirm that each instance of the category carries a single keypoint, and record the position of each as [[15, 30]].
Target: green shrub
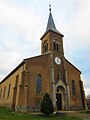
[[47, 105]]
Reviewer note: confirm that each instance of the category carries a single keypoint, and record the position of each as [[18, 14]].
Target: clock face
[[57, 60]]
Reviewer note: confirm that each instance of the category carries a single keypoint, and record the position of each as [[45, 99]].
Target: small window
[[38, 84], [73, 88], [57, 48], [56, 45], [9, 90], [16, 82], [4, 91], [45, 47]]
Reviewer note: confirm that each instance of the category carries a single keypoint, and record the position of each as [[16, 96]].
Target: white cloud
[[19, 18], [17, 35], [77, 30]]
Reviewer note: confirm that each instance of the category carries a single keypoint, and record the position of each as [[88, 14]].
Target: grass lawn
[[7, 114]]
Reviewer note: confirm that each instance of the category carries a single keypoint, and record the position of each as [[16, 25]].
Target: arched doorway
[[59, 101], [60, 97]]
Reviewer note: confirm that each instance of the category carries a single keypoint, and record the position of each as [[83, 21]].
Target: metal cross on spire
[[50, 7]]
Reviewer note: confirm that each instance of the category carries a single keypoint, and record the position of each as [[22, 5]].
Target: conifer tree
[[47, 105]]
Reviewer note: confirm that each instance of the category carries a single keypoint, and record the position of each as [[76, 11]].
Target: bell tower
[[52, 40]]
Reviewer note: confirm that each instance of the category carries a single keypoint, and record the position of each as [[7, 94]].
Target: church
[[23, 88]]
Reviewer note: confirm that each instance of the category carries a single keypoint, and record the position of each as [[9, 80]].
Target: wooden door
[[59, 101]]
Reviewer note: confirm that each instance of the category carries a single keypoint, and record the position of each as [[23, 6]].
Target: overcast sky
[[23, 22]]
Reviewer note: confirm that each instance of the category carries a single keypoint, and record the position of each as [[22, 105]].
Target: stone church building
[[23, 89]]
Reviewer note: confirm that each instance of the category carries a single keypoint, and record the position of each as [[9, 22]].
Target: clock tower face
[[57, 60]]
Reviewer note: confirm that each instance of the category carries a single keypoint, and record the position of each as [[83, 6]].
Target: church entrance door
[[59, 101]]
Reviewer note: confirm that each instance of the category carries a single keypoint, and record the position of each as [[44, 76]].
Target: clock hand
[[58, 60]]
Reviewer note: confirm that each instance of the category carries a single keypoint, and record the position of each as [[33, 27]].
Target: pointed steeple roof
[[51, 25]]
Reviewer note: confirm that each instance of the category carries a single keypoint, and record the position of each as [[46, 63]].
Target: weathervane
[[50, 7]]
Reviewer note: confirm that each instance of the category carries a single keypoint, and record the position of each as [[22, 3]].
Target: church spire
[[50, 24]]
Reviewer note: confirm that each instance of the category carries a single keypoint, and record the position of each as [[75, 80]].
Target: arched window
[[45, 47], [38, 84], [56, 45], [57, 48], [73, 88], [9, 89], [4, 91]]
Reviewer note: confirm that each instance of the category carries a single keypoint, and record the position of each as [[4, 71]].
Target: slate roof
[[51, 26]]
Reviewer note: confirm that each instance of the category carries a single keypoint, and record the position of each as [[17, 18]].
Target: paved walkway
[[81, 114]]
